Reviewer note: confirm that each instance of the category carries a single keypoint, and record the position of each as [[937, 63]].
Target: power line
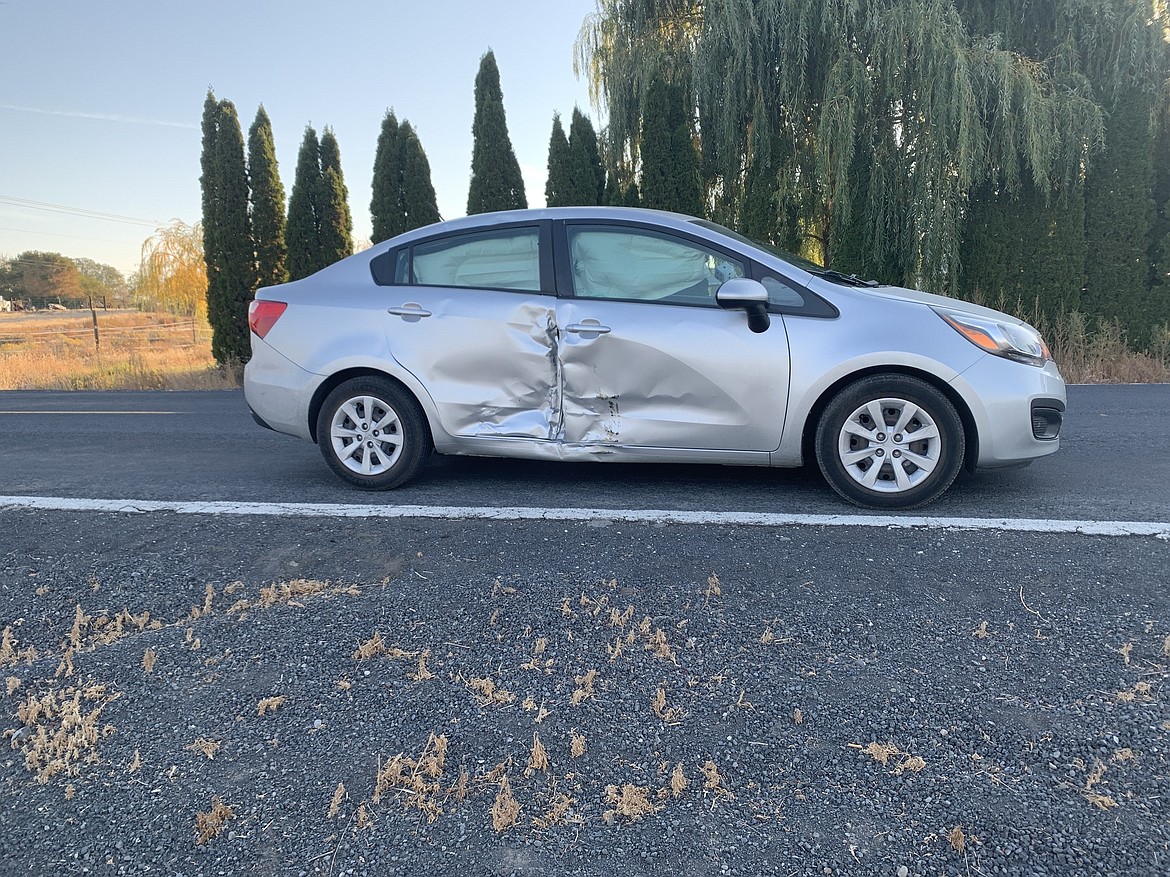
[[58, 234], [76, 211]]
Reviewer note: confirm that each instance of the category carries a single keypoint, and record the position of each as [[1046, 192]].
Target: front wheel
[[372, 433], [890, 442]]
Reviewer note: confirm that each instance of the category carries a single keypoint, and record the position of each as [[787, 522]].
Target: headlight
[[1017, 341]]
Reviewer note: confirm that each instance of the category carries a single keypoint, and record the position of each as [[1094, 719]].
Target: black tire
[[870, 464], [369, 458]]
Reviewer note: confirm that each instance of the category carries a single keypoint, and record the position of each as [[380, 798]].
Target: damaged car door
[[468, 318], [649, 359]]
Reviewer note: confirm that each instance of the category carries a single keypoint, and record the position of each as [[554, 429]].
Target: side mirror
[[748, 295]]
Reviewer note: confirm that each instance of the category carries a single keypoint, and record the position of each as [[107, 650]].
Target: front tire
[[890, 442], [372, 433]]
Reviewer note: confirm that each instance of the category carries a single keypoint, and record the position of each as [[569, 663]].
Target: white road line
[[1157, 529]]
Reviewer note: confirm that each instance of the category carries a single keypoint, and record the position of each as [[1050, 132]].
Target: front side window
[[507, 259], [642, 265]]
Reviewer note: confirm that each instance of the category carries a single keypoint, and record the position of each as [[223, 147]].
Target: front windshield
[[799, 262]]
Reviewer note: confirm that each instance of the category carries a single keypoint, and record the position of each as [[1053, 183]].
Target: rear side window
[[508, 259]]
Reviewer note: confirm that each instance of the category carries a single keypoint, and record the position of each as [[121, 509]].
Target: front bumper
[[1018, 410]]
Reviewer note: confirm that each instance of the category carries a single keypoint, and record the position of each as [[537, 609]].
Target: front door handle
[[588, 328], [412, 312]]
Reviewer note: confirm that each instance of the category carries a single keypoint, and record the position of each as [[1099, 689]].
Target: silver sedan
[[616, 334]]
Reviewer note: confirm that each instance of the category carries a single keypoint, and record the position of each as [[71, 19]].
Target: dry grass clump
[[139, 351], [208, 825], [505, 810], [958, 840], [630, 802], [60, 729], [11, 684], [149, 657], [335, 802], [1098, 800], [576, 744], [538, 759], [419, 781], [584, 689], [487, 693], [883, 752], [270, 704], [557, 812], [678, 780], [205, 746], [668, 714]]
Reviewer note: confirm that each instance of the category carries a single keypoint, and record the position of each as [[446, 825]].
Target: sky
[[101, 100]]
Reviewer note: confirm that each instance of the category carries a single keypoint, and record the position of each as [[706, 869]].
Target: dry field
[[135, 351]]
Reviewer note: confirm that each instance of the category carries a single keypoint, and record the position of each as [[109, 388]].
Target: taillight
[[262, 315]]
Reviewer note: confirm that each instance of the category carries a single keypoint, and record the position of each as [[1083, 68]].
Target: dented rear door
[[476, 329]]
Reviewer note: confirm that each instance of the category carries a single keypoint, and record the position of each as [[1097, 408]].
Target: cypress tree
[[1160, 231], [235, 251], [1119, 214], [336, 226], [207, 183], [670, 164], [585, 161], [419, 205], [557, 186], [386, 203], [496, 183], [268, 210], [304, 211]]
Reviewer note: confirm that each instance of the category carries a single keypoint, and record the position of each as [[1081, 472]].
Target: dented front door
[[642, 374]]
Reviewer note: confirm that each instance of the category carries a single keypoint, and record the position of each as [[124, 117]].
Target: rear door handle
[[412, 311]]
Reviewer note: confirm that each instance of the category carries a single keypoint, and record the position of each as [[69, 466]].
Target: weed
[[657, 643], [981, 630], [270, 705], [11, 684], [135, 763], [767, 636], [370, 648], [958, 840], [421, 673], [487, 693], [678, 780], [576, 744], [148, 660], [1124, 652], [207, 747], [797, 717], [668, 714], [208, 825], [713, 781], [584, 688], [559, 807], [505, 808], [714, 588], [335, 803], [538, 759], [1102, 802], [630, 802], [60, 729]]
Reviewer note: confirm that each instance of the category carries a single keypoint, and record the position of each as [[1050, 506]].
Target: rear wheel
[[890, 442], [372, 433]]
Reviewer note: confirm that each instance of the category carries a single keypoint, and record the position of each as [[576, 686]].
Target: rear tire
[[890, 442], [372, 433]]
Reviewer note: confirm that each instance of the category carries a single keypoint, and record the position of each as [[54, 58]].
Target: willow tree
[[172, 275], [867, 123]]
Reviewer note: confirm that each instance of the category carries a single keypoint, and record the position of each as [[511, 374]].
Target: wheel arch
[[337, 379], [970, 429]]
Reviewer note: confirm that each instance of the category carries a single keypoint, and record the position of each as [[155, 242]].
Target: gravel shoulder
[[381, 698]]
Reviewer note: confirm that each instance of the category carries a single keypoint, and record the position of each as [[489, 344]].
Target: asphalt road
[[1114, 464]]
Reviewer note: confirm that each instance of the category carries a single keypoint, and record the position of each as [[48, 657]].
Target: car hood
[[939, 301]]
